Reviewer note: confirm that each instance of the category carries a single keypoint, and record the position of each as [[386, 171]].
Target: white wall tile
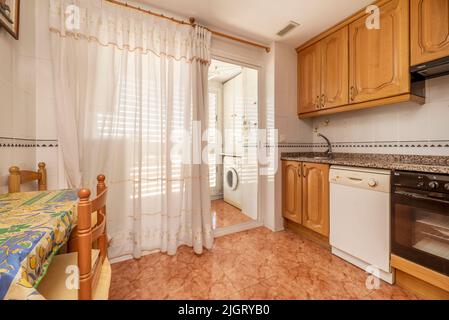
[[384, 122], [18, 93], [438, 126], [437, 89], [44, 74], [6, 108], [24, 158], [46, 126], [6, 57], [42, 30], [26, 45], [412, 122], [24, 111], [24, 76], [5, 163]]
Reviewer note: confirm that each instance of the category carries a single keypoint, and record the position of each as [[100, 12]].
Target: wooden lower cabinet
[[292, 191], [306, 195], [315, 207]]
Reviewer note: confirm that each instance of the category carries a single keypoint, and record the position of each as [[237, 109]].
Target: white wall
[[46, 125], [291, 129], [294, 133], [27, 104], [394, 128], [18, 96]]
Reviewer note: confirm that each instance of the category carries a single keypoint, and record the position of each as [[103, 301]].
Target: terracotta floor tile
[[225, 215], [389, 292], [205, 286], [274, 288], [255, 264]]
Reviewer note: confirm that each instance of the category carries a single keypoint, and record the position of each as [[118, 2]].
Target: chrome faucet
[[328, 152]]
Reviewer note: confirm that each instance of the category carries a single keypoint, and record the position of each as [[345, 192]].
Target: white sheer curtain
[[130, 88]]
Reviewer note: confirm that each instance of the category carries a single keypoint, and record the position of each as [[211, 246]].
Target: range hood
[[432, 69]]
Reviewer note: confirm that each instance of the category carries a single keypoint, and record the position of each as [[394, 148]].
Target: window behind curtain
[[141, 115]]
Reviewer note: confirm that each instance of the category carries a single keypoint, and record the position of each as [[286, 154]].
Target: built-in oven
[[420, 219]]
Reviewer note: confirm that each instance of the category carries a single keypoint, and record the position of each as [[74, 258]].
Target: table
[[33, 227]]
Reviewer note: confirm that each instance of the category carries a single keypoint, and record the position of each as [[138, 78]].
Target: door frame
[[259, 222], [218, 193]]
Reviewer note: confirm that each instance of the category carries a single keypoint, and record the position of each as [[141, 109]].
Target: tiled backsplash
[[27, 143], [396, 129], [26, 153]]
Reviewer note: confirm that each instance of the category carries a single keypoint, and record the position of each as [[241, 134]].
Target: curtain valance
[[110, 25]]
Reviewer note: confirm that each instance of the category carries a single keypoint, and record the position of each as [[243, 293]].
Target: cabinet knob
[[305, 171], [317, 102], [352, 93]]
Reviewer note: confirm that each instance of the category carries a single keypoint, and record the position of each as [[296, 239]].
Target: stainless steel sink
[[322, 158]]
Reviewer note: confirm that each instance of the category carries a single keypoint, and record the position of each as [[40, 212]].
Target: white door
[[228, 117], [215, 143], [249, 134]]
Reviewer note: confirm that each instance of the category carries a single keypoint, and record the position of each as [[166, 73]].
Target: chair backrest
[[86, 234], [18, 177]]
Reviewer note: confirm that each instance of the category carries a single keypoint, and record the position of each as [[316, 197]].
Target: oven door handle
[[420, 197]]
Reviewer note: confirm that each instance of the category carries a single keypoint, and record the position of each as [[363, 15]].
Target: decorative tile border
[[27, 143], [30, 143], [296, 145], [374, 144]]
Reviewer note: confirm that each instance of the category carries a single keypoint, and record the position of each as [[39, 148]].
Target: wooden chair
[[93, 265], [18, 177]]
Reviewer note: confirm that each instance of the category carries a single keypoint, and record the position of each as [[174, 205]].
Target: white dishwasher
[[360, 218]]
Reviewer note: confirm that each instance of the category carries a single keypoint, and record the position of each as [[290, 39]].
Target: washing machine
[[232, 181]]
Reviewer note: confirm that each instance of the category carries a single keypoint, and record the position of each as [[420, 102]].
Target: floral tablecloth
[[33, 227]]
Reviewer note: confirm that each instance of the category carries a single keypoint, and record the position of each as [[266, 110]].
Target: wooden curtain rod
[[190, 23]]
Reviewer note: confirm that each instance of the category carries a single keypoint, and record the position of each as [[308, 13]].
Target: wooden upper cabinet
[[309, 72], [315, 210], [429, 30], [334, 69], [379, 58], [292, 191]]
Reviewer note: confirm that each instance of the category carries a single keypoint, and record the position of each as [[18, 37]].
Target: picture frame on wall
[[10, 16]]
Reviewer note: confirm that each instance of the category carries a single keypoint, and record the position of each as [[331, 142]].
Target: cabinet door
[[335, 69], [429, 30], [291, 191], [379, 58], [315, 185], [309, 83]]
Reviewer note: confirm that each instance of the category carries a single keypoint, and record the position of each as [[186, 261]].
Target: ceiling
[[260, 20], [221, 71]]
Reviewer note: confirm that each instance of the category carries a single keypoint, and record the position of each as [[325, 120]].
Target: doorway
[[233, 141]]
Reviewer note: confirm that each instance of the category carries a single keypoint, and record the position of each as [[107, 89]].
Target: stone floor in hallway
[[226, 215], [256, 264]]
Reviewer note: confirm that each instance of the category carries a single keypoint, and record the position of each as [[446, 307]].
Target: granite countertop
[[428, 164]]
